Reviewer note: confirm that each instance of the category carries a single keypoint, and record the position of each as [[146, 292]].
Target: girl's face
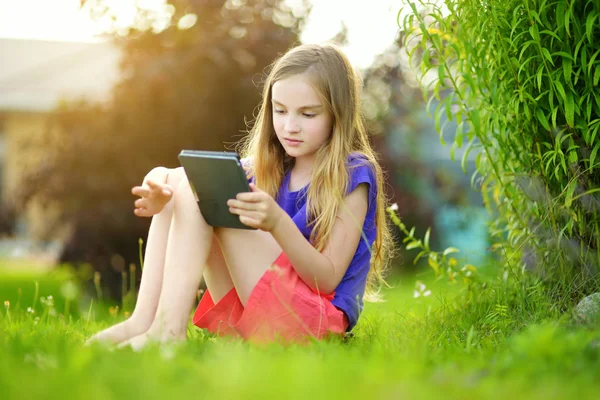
[[301, 120]]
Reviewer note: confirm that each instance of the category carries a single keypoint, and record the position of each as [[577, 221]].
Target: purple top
[[349, 293]]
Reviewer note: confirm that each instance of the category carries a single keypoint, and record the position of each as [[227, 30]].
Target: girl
[[318, 203]]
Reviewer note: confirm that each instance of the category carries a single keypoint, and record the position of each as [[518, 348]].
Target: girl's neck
[[303, 166], [300, 175]]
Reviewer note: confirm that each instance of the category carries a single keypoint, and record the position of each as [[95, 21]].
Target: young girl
[[318, 203]]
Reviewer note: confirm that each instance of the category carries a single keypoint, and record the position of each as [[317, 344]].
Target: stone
[[587, 311]]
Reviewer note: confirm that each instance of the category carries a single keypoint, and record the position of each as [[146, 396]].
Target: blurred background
[[94, 93]]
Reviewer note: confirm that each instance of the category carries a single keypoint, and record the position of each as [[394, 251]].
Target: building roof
[[35, 75]]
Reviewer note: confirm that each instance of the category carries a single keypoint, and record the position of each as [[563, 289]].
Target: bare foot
[[117, 333], [138, 342]]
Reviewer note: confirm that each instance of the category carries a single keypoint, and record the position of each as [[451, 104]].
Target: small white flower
[[394, 207], [421, 290], [30, 310]]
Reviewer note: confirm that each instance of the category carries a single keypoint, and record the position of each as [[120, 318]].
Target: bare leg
[[188, 250], [152, 277], [191, 247]]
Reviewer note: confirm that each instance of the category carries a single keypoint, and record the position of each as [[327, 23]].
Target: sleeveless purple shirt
[[349, 293]]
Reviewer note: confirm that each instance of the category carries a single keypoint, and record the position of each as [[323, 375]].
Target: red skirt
[[280, 308]]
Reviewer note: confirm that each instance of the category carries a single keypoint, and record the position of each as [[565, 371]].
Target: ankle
[[139, 322]]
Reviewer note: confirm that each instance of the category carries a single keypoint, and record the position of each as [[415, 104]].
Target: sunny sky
[[371, 24]]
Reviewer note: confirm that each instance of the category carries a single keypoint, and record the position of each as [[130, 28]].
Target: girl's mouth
[[293, 142]]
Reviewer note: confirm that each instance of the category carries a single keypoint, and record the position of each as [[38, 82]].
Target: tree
[[192, 87]]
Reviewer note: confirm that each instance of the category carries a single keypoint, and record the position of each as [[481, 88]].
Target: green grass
[[505, 341]]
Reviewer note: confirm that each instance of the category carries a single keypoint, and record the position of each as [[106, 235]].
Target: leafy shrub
[[521, 81]]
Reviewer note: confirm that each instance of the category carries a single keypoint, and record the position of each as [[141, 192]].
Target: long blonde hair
[[339, 87]]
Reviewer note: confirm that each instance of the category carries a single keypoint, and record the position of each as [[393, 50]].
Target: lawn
[[502, 342]]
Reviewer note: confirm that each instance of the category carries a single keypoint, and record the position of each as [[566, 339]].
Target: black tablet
[[215, 177]]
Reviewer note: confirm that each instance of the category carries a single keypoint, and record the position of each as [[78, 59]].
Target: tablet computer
[[215, 177]]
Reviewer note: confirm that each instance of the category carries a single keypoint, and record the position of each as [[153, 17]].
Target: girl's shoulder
[[247, 162], [361, 170], [357, 160]]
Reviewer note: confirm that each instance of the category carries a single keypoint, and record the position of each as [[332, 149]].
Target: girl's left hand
[[257, 209]]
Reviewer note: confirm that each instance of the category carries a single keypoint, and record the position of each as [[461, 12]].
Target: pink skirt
[[280, 308]]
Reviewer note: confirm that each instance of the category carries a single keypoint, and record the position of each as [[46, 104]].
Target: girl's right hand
[[154, 193]]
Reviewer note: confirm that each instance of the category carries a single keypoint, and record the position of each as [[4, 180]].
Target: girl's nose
[[291, 125]]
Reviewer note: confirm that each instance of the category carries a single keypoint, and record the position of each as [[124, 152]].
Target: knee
[[175, 177], [184, 196]]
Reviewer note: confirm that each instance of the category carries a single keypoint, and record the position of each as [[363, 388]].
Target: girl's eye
[[309, 115], [279, 111]]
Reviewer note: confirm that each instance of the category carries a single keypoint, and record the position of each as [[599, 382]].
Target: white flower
[[30, 310], [421, 290], [394, 207]]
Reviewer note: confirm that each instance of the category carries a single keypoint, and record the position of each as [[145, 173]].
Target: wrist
[[279, 223]]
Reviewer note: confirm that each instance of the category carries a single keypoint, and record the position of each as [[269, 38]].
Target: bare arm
[[324, 270]]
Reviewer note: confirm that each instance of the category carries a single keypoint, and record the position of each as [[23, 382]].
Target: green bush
[[521, 81]]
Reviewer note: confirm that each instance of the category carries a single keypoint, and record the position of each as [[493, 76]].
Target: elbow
[[325, 286]]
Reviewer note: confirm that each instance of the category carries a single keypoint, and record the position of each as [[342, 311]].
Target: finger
[[254, 215], [153, 185], [254, 188], [140, 191], [252, 223], [167, 190], [140, 203], [245, 205], [252, 197], [141, 212]]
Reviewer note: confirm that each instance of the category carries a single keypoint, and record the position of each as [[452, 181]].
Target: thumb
[[167, 190]]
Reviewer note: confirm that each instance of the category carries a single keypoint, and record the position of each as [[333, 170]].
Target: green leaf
[[465, 157], [584, 54], [570, 109], [567, 20], [426, 238], [542, 118], [593, 155], [560, 14], [554, 35], [597, 75], [546, 54], [569, 195], [451, 250], [589, 26], [442, 73], [567, 68], [563, 55], [421, 254], [535, 34], [561, 90], [476, 121], [452, 151], [573, 157], [540, 75], [591, 62], [413, 245], [459, 135]]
